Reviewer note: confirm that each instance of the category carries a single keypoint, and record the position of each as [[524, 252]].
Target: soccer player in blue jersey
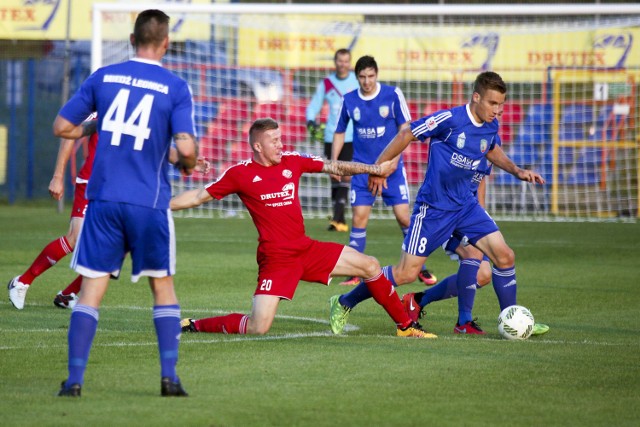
[[377, 112], [460, 139], [331, 90], [140, 107], [459, 249]]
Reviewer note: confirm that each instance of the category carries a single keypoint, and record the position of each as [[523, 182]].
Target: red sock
[[234, 323], [73, 287], [385, 294], [50, 255]]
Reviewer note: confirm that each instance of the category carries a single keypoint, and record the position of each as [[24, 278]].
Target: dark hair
[[259, 126], [366, 62], [341, 52], [151, 27], [488, 80]]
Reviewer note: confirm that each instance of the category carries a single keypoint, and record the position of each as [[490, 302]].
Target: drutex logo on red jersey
[[281, 198]]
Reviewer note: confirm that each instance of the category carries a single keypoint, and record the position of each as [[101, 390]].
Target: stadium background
[[253, 79]]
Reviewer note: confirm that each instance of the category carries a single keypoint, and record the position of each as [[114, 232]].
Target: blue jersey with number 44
[[458, 148], [140, 106]]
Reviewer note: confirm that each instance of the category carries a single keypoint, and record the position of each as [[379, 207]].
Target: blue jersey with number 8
[[140, 106]]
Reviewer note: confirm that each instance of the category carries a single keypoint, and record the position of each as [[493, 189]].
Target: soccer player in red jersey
[[60, 247], [268, 186]]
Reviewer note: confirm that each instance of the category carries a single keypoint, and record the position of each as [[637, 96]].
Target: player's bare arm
[[190, 199], [56, 185], [391, 152], [396, 159], [397, 145], [89, 127], [187, 149], [63, 128], [202, 164], [499, 158], [336, 148], [341, 168]]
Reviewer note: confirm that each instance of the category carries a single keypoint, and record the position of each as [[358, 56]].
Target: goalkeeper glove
[[315, 131]]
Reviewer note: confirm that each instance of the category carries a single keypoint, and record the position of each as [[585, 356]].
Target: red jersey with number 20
[[270, 193]]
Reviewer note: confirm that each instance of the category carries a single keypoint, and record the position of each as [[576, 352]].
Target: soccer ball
[[515, 323]]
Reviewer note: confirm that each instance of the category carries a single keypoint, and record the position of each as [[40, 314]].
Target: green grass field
[[581, 279]]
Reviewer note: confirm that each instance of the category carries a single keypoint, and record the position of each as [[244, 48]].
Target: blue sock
[[166, 318], [387, 270], [504, 283], [444, 289], [82, 329], [358, 239], [355, 296], [467, 283], [361, 292]]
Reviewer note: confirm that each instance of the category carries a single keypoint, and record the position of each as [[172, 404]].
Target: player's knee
[[402, 276], [255, 327], [505, 258], [371, 267], [484, 274]]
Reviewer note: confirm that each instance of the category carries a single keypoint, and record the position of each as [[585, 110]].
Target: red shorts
[[79, 202], [282, 266]]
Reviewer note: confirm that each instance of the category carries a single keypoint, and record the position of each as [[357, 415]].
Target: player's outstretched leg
[[234, 323], [50, 255]]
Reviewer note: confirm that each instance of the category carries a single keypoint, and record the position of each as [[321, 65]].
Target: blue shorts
[[397, 192], [111, 229], [431, 227]]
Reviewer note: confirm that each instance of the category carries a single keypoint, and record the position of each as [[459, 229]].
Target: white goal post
[[572, 73]]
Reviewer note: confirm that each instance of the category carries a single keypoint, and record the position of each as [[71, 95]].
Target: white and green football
[[515, 323]]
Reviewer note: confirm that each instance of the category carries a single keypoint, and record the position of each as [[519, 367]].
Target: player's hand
[[56, 187], [530, 176], [387, 168], [184, 170], [377, 184], [337, 178], [202, 165]]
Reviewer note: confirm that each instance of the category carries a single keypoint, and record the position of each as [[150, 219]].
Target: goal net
[[571, 110]]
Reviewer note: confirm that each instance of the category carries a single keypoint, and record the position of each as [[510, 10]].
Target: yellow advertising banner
[[295, 41], [413, 52], [47, 20]]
